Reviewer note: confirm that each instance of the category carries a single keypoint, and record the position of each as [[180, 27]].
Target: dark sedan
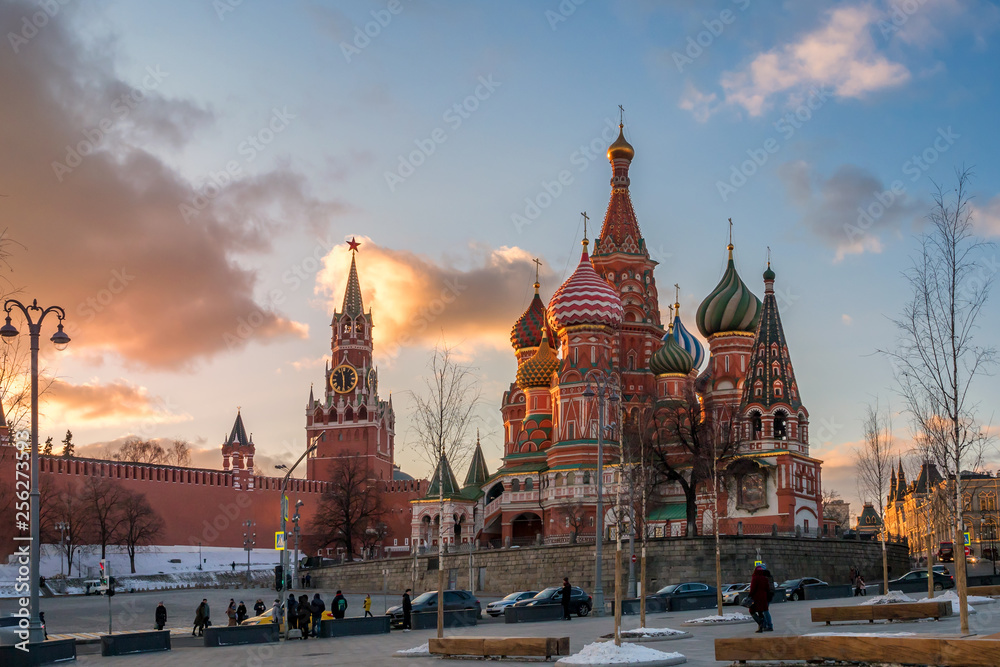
[[579, 602], [453, 601], [693, 589], [795, 588], [941, 581]]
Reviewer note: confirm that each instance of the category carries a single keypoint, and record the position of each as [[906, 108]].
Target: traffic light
[[278, 578], [104, 573]]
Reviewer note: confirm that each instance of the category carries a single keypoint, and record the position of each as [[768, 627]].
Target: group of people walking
[[235, 615]]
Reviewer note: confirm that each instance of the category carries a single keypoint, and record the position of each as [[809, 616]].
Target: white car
[[496, 608], [731, 593]]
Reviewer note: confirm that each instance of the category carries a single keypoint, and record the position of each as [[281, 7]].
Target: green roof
[[450, 483], [671, 512], [478, 472]]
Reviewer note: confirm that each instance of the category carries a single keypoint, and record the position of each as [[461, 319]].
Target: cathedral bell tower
[[350, 419]]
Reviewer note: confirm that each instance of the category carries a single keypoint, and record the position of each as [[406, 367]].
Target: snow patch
[[423, 649], [733, 617], [893, 597], [652, 632], [952, 596], [606, 653]]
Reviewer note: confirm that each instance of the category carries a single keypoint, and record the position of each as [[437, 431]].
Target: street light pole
[[295, 530], [60, 339], [249, 540], [284, 508], [603, 382], [62, 526]]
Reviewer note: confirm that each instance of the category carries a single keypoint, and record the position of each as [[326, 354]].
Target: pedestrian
[[760, 594], [302, 581], [276, 613], [241, 613], [308, 581], [161, 616], [208, 614], [317, 607], [859, 585], [45, 629], [231, 612], [304, 613], [290, 609], [368, 606], [339, 605], [233, 565], [407, 610], [567, 594], [200, 617], [258, 607]]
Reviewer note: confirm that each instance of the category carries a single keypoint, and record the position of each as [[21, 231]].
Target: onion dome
[[527, 330], [768, 273], [731, 307], [671, 359], [620, 149], [537, 371], [687, 340], [585, 298]]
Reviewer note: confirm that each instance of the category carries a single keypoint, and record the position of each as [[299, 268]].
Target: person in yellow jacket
[[368, 606]]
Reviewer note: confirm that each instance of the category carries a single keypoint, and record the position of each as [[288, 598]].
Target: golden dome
[[621, 148]]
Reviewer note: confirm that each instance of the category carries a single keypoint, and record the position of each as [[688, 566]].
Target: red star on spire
[[353, 245]]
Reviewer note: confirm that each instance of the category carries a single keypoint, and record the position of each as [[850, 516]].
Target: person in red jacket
[[761, 590]]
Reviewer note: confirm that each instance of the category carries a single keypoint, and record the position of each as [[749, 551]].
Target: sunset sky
[[182, 177]]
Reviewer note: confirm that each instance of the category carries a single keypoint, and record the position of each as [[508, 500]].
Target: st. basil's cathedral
[[604, 322]]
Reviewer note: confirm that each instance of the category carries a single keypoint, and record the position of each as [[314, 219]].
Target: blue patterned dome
[[688, 342]]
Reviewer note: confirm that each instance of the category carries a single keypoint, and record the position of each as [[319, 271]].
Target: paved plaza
[[789, 618]]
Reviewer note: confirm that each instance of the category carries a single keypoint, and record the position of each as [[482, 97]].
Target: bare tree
[[936, 356], [574, 512], [141, 524], [835, 509], [352, 505], [179, 453], [65, 505], [873, 467], [136, 450], [687, 445], [442, 419], [103, 499]]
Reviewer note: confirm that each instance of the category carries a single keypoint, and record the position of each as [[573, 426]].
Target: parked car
[[454, 600], [941, 581], [732, 593], [496, 608], [684, 590], [579, 602], [795, 588], [946, 552]]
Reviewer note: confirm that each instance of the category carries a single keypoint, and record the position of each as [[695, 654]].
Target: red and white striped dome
[[585, 298]]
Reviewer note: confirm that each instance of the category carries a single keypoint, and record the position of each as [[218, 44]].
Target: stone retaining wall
[[669, 561]]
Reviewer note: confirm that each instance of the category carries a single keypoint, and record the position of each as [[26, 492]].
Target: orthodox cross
[[730, 231], [677, 292], [621, 115], [538, 264], [769, 255], [585, 219]]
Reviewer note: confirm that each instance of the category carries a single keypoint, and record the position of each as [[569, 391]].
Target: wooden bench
[[985, 591], [926, 650], [483, 647], [902, 611]]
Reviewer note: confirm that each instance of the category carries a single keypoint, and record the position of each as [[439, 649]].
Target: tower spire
[[353, 303]]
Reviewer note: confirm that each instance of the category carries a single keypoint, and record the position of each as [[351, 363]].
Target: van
[[946, 552]]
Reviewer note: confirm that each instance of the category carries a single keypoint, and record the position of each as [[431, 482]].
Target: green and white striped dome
[[730, 307], [671, 358]]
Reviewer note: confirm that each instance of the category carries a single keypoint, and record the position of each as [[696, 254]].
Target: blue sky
[[833, 100]]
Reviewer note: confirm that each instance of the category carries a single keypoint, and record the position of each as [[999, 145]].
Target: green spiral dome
[[671, 358], [730, 307]]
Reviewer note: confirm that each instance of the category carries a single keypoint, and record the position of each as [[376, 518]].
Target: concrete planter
[[533, 614], [46, 653], [241, 634], [686, 602], [135, 642], [350, 627], [452, 619]]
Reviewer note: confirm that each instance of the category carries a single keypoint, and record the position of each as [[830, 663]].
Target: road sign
[[279, 541], [967, 540], [634, 559], [757, 563]]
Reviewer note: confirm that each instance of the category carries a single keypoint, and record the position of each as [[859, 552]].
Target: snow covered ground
[[952, 596], [893, 597], [157, 567], [606, 653], [423, 649], [732, 617]]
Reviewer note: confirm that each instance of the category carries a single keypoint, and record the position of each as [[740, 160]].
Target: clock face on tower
[[343, 379]]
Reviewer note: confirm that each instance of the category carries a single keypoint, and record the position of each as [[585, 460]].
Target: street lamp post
[[605, 390], [284, 506], [60, 339], [295, 531], [63, 527], [249, 540]]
